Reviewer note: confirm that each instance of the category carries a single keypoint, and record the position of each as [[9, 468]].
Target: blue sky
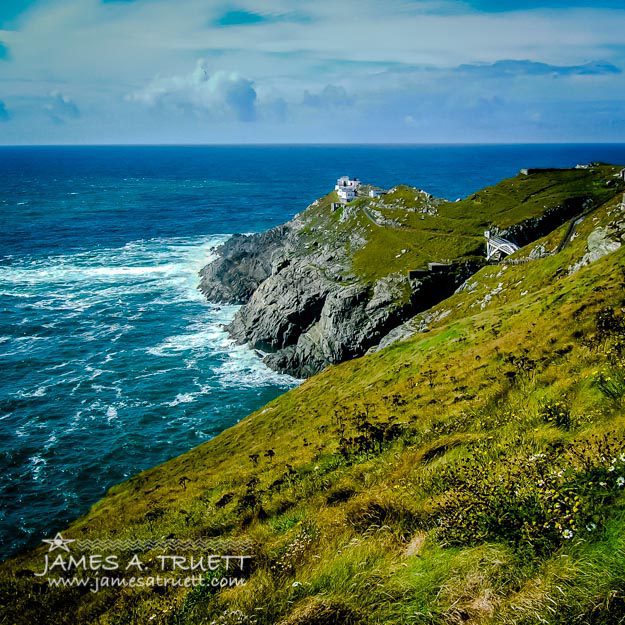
[[206, 71]]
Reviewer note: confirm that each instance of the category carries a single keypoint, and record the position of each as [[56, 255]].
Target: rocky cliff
[[302, 303], [334, 281]]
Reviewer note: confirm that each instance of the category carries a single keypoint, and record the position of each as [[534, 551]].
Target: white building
[[376, 192], [346, 188]]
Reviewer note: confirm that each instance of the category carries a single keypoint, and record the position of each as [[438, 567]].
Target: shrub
[[611, 381], [536, 502], [556, 413], [363, 434]]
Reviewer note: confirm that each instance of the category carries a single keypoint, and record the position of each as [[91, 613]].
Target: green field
[[456, 229]]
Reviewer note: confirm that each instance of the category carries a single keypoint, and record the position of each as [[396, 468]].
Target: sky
[[320, 71]]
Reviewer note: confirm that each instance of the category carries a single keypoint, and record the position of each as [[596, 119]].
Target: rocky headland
[[340, 279]]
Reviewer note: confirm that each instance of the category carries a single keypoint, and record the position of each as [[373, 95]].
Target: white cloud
[[61, 108], [330, 96], [5, 116], [397, 59], [220, 94]]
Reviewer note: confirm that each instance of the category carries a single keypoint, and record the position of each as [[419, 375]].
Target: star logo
[[58, 542]]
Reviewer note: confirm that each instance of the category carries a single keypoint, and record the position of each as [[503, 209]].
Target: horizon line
[[312, 144]]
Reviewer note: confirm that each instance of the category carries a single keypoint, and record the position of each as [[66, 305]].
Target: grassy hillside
[[471, 474], [407, 228]]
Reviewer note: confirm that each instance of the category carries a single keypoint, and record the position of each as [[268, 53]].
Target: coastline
[[340, 466], [124, 337]]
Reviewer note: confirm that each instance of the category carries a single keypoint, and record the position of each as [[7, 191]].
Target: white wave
[[244, 368], [176, 259], [38, 464], [183, 398], [38, 392], [59, 366], [204, 336]]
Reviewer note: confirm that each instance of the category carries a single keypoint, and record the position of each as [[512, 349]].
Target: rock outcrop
[[243, 263], [302, 305], [600, 242]]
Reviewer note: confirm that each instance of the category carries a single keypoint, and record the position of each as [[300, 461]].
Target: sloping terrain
[[473, 473], [328, 285]]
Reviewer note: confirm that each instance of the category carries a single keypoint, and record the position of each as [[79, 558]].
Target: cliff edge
[[334, 281]]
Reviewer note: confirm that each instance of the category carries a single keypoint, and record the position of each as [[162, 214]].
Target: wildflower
[[603, 483], [591, 527], [296, 584], [620, 482], [567, 534]]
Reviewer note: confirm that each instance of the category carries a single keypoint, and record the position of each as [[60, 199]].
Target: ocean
[[111, 360]]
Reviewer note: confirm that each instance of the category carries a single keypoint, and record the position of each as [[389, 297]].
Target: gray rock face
[[601, 241], [307, 321], [351, 320], [283, 307], [243, 263], [301, 304]]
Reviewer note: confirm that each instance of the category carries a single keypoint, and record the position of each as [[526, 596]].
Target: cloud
[[5, 116], [221, 94], [60, 108], [331, 96], [509, 68], [403, 70]]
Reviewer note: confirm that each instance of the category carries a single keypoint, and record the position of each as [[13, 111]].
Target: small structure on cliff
[[498, 247], [621, 174], [346, 188]]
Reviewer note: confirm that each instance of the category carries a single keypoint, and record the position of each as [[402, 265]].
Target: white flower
[[591, 527], [611, 468], [567, 534], [620, 482], [603, 483], [296, 584]]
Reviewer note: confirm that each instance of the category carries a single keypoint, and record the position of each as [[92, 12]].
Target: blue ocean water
[[111, 361]]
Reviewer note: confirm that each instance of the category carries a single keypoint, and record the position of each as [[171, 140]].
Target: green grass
[[430, 230], [362, 535]]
